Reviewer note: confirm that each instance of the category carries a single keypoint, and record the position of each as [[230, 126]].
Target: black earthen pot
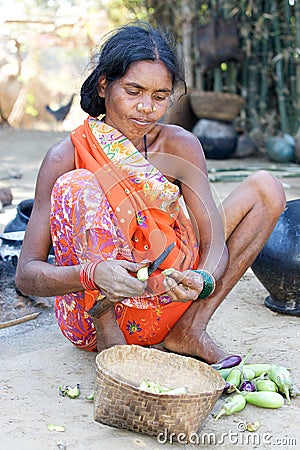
[[218, 139], [278, 264], [19, 223]]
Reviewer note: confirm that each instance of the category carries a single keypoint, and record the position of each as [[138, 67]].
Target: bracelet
[[87, 275], [209, 284]]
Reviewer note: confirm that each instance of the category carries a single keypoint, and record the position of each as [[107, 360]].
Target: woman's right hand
[[115, 281]]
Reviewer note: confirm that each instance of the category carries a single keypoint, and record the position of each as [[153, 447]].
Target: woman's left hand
[[183, 286]]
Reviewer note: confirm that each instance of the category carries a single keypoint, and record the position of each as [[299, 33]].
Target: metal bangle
[[209, 284]]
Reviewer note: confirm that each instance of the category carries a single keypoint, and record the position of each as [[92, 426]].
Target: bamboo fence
[[269, 75]]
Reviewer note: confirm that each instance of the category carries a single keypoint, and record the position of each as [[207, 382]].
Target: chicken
[[61, 113]]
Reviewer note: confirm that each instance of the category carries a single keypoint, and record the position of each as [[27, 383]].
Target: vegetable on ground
[[232, 405]]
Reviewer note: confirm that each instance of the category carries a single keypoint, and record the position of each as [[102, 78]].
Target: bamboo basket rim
[[170, 355]]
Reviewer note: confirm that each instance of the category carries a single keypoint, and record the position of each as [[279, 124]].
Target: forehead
[[145, 73]]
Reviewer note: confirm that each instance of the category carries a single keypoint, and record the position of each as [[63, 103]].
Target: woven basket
[[215, 105], [120, 403]]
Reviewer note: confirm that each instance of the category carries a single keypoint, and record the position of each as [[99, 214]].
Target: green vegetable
[[266, 385], [264, 399], [248, 373], [232, 405], [71, 392], [258, 369], [56, 428], [282, 377], [157, 388], [225, 372], [234, 379], [142, 274]]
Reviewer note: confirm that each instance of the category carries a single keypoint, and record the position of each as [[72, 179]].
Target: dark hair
[[122, 47]]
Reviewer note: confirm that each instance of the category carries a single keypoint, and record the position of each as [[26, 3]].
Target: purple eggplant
[[247, 386], [230, 361]]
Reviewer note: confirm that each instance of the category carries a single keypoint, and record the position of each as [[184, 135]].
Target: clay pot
[[218, 139], [19, 223], [281, 149], [278, 264]]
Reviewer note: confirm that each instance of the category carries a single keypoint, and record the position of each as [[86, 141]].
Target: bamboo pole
[[290, 68], [297, 61], [280, 86], [253, 74], [265, 47]]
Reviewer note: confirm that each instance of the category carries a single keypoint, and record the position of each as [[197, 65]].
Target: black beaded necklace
[[145, 147]]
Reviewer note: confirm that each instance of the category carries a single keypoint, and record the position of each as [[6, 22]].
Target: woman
[[122, 206]]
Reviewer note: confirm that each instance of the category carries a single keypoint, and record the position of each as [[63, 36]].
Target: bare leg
[[249, 215], [107, 329]]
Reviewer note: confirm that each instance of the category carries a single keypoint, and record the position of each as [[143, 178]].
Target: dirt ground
[[36, 358]]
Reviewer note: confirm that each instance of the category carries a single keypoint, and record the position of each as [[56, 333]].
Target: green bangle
[[209, 284]]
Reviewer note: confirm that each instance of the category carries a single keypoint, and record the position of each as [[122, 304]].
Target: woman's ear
[[102, 86]]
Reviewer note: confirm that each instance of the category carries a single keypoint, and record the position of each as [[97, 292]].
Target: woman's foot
[[194, 344]]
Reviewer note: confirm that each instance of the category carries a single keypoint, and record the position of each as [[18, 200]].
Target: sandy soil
[[36, 358]]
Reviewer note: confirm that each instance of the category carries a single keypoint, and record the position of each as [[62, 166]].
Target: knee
[[269, 190], [75, 177]]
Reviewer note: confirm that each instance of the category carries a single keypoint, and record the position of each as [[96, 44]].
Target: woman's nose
[[146, 106]]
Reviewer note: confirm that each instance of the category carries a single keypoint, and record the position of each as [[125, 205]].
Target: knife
[[160, 259]]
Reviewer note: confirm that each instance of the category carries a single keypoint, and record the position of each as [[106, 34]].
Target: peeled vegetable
[[142, 274], [157, 388]]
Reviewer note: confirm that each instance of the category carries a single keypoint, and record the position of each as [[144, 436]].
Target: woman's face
[[147, 84]]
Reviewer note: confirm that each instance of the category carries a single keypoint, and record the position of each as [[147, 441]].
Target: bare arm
[[35, 275]]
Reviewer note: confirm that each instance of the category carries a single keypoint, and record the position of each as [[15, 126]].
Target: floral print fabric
[[108, 209]]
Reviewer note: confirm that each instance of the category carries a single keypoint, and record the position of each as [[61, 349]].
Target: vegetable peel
[[59, 428], [69, 391]]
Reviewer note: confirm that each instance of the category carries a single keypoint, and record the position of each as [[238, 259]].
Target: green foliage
[[121, 12]]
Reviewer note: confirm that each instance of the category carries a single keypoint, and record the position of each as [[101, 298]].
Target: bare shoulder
[[61, 153], [59, 159], [175, 133], [175, 140]]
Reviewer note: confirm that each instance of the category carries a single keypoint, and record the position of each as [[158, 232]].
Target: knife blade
[[160, 259]]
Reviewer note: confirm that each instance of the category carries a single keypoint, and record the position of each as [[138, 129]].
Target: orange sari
[[146, 210]]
